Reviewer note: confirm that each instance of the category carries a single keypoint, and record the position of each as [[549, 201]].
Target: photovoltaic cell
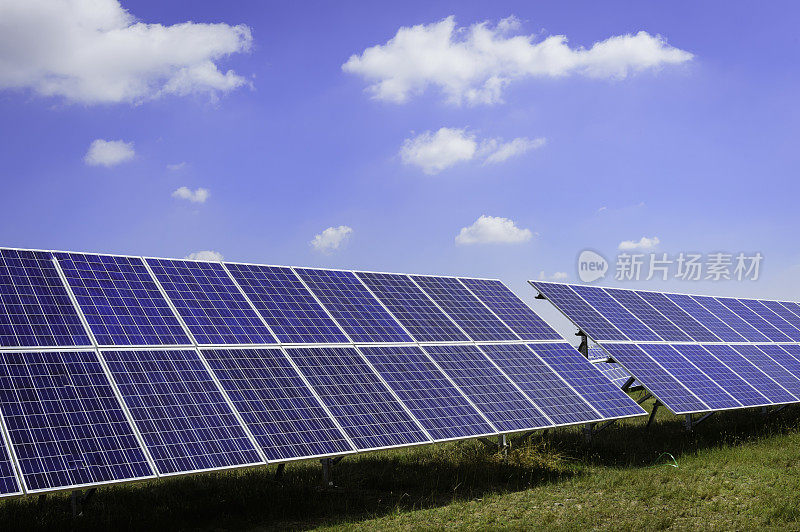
[[492, 392], [615, 373], [706, 318], [754, 319], [368, 412], [649, 316], [65, 422], [574, 307], [584, 377], [511, 309], [794, 351], [770, 360], [465, 309], [794, 308], [210, 303], [357, 311], [415, 310], [9, 485], [120, 300], [35, 309], [614, 312], [663, 385], [783, 311], [766, 314], [280, 410], [676, 315], [687, 373], [750, 373], [730, 319], [182, 416], [431, 397]]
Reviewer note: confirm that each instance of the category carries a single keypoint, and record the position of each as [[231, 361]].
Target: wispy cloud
[[199, 195], [205, 255], [177, 166], [108, 153], [492, 230], [642, 243]]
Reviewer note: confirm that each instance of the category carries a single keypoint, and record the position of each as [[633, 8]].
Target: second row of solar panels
[[184, 410], [622, 315]]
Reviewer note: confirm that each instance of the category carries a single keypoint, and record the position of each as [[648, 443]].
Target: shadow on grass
[[382, 483]]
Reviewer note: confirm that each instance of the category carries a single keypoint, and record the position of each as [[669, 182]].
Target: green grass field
[[737, 470]]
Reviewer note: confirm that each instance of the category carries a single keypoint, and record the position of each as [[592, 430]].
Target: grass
[[736, 470]]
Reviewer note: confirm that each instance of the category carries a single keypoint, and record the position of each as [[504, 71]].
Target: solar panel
[[676, 315], [700, 383], [730, 319], [355, 395], [427, 392], [511, 309], [783, 311], [465, 309], [614, 312], [282, 413], [669, 391], [766, 314], [489, 390], [706, 318], [9, 485], [754, 319], [211, 305], [649, 316], [794, 308], [794, 351], [291, 311], [35, 309], [770, 359], [415, 310], [65, 423], [756, 378], [581, 374], [120, 301], [615, 373], [182, 416], [357, 311], [576, 309]]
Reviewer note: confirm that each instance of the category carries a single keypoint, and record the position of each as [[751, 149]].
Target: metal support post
[[653, 413], [326, 472], [584, 347], [279, 472]]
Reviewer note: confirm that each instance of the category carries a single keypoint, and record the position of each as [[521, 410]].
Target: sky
[[492, 139]]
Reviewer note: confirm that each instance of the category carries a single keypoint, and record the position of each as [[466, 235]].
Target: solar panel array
[[119, 368], [693, 353]]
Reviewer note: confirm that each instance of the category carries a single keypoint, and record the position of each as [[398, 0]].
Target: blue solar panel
[[282, 413], [291, 311], [9, 485], [426, 391], [65, 423], [576, 309], [415, 310], [35, 309], [754, 377], [706, 318], [465, 309], [368, 412], [754, 319], [794, 308], [541, 384], [676, 315], [614, 312], [649, 316], [120, 300], [730, 319], [794, 351], [615, 373], [700, 383], [492, 392], [770, 360], [183, 417], [778, 322], [211, 305], [783, 311], [361, 316], [584, 377], [511, 309], [669, 391]]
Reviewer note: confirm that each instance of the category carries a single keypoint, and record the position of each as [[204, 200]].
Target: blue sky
[[693, 143]]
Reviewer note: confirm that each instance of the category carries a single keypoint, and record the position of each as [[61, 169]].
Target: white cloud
[[474, 64], [94, 51], [199, 195], [108, 153], [177, 166], [643, 243], [434, 152], [493, 230], [205, 255], [331, 238]]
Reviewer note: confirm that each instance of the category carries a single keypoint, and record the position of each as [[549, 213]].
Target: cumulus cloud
[[474, 64], [94, 51], [434, 152], [198, 195], [642, 243], [331, 238], [493, 230], [205, 255], [108, 153]]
